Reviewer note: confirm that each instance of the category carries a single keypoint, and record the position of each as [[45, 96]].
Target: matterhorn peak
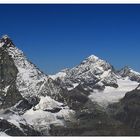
[[5, 36], [6, 41]]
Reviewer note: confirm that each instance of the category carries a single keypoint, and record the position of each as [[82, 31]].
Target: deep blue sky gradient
[[58, 36]]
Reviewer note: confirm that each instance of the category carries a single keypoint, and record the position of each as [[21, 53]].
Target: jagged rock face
[[13, 130], [10, 129], [131, 74], [8, 72], [76, 98], [12, 96]]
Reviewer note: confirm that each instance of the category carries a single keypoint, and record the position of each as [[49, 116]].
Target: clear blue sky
[[58, 36]]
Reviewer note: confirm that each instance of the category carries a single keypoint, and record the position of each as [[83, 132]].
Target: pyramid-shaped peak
[[95, 61], [92, 57], [6, 41], [5, 37]]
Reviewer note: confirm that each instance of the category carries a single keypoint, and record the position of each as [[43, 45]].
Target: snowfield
[[41, 120], [112, 95]]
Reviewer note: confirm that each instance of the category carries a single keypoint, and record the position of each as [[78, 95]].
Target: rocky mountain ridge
[[73, 102]]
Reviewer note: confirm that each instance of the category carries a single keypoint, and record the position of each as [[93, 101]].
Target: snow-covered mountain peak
[[94, 64], [30, 81], [92, 58], [5, 41], [92, 72], [5, 36]]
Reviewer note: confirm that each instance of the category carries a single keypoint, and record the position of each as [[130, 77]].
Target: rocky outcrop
[[131, 74], [127, 110]]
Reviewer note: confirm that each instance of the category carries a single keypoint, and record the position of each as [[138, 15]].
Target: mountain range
[[90, 99]]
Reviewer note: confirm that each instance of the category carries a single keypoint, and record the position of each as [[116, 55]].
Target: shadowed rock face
[[128, 110], [92, 122], [10, 129], [8, 70], [13, 130], [12, 97], [9, 95]]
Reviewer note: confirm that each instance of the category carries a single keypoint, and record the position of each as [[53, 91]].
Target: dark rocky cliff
[[9, 95]]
